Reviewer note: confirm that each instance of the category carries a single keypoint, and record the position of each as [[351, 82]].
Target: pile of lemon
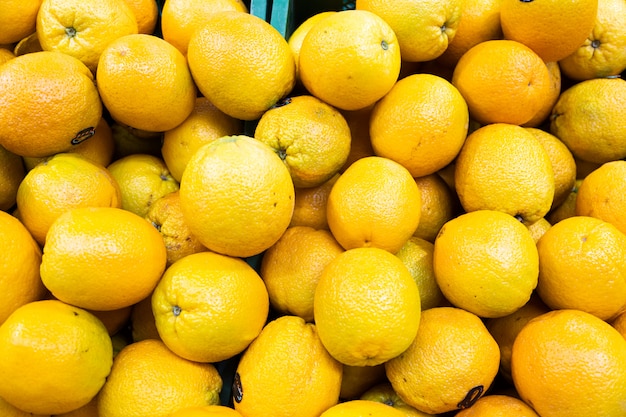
[[409, 208]]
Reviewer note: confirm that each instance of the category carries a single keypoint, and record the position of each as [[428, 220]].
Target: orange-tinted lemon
[[350, 59], [570, 363], [601, 194], [553, 29], [291, 268], [424, 29], [19, 266], [486, 262], [205, 124], [49, 104], [286, 371], [591, 130], [504, 167], [167, 216], [60, 183], [603, 53], [83, 29], [55, 357], [582, 265], [494, 96], [374, 203], [407, 126], [78, 268], [149, 379], [311, 137], [237, 196], [154, 67], [241, 63], [208, 307], [181, 18], [366, 307], [451, 362], [18, 20]]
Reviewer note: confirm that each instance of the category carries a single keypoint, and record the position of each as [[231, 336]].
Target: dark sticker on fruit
[[472, 396], [83, 135], [237, 388]]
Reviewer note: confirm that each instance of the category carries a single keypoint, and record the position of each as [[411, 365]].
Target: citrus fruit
[[486, 262], [79, 269], [149, 379], [374, 203], [241, 63], [591, 131], [350, 60], [553, 29], [5, 55], [142, 323], [12, 173], [237, 196], [480, 22], [19, 267], [166, 215], [146, 14], [494, 96], [99, 148], [142, 180], [567, 208], [451, 362], [88, 410], [439, 204], [424, 28], [355, 380], [129, 140], [407, 126], [208, 307], [206, 411], [113, 320], [582, 266], [562, 161], [505, 329], [601, 194], [301, 252], [385, 394], [504, 167], [619, 323], [18, 20], [286, 371], [498, 406], [83, 29], [55, 357], [62, 90], [151, 65], [543, 114], [603, 53], [360, 408], [27, 45], [538, 228], [297, 36], [205, 124], [310, 205], [63, 182], [417, 256], [366, 307], [180, 18], [361, 144], [312, 138], [8, 410], [557, 368]]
